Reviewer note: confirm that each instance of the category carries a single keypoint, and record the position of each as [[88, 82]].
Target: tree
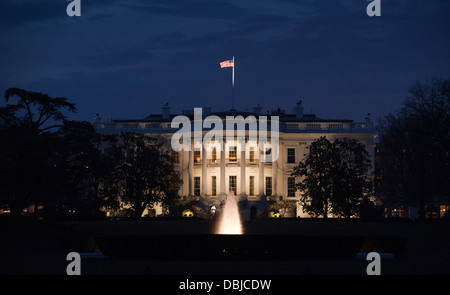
[[143, 174], [413, 164], [78, 168], [25, 168], [351, 180], [34, 111], [316, 185], [281, 205], [335, 177], [27, 146], [47, 160]]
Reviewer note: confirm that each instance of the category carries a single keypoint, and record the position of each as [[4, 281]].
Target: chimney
[[166, 111], [97, 118], [257, 109], [299, 110]]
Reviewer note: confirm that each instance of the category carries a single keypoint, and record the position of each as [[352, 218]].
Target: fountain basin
[[210, 246]]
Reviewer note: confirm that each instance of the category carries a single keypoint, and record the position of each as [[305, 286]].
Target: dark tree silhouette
[[44, 156], [35, 111], [413, 160], [78, 167], [336, 177], [316, 186], [351, 179], [143, 174]]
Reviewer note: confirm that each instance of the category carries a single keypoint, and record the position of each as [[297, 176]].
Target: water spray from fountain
[[230, 219]]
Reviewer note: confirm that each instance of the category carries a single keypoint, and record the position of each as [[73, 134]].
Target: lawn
[[35, 247]]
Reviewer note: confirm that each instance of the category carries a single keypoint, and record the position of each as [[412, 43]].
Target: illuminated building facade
[[212, 173]]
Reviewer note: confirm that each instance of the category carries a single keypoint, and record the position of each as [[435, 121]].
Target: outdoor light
[[187, 213], [274, 214]]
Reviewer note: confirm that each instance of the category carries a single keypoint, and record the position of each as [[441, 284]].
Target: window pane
[[232, 154], [214, 155], [213, 185], [291, 155], [443, 209], [268, 154], [197, 157], [233, 185], [268, 186], [291, 186], [197, 186], [252, 156], [252, 186]]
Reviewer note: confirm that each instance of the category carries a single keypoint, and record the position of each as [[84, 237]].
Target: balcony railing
[[229, 162], [213, 162], [233, 162], [334, 126], [132, 125], [287, 125]]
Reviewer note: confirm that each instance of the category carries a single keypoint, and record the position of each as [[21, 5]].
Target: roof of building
[[223, 114]]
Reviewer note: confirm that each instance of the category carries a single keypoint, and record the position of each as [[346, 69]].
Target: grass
[[421, 237]]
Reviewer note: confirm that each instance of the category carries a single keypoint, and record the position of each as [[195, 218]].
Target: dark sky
[[126, 58]]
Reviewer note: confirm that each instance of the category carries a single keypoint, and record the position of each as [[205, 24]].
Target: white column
[[274, 173], [222, 172], [243, 174], [204, 171], [261, 175], [191, 171]]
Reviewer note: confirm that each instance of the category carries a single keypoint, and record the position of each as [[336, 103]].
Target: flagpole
[[232, 103]]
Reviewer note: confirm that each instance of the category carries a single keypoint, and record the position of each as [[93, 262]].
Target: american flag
[[227, 64]]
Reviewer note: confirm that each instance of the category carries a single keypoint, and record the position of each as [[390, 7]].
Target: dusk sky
[[126, 58]]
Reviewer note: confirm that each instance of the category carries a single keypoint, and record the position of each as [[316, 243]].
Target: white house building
[[211, 173]]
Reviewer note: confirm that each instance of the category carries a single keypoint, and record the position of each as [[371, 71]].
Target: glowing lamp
[[187, 213]]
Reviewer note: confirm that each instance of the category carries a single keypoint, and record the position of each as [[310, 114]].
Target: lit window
[[232, 154], [430, 211], [197, 157], [443, 209], [251, 156]]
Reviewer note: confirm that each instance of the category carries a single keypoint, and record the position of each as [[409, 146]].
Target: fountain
[[226, 241], [230, 220]]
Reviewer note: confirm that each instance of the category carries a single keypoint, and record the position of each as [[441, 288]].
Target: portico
[[214, 172]]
